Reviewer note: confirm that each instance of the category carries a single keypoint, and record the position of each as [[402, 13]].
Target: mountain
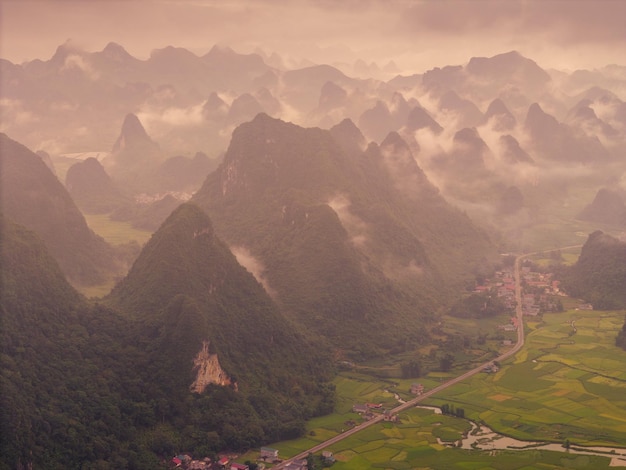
[[343, 235], [180, 173], [332, 96], [92, 189], [37, 304], [213, 366], [244, 108], [511, 69], [385, 117], [553, 140], [133, 156], [419, 118], [33, 197], [501, 117], [484, 78], [215, 108], [147, 216], [607, 207], [512, 152], [599, 275], [197, 305], [464, 111], [377, 122], [71, 394], [238, 72], [303, 86], [469, 151], [583, 116]]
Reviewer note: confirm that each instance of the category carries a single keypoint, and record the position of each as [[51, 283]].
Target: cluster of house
[[539, 288], [302, 464], [504, 284], [225, 462], [367, 411], [491, 368]]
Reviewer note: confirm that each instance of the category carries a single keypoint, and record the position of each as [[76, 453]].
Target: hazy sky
[[417, 35]]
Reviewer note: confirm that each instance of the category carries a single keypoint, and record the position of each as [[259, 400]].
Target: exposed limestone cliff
[[208, 369]]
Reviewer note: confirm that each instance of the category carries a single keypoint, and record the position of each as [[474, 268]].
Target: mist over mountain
[[607, 207], [336, 212], [340, 232]]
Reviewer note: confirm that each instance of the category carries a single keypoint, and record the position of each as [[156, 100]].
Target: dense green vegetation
[[86, 386], [599, 275], [479, 305]]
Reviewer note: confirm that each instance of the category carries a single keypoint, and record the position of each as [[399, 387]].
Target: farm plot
[[570, 385]]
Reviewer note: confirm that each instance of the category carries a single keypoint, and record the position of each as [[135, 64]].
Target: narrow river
[[484, 438]]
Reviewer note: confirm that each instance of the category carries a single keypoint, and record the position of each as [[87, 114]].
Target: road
[[518, 345]]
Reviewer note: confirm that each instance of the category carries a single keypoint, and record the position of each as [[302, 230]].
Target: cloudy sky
[[417, 35]]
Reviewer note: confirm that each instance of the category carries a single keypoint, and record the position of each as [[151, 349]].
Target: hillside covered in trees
[[599, 275], [86, 385]]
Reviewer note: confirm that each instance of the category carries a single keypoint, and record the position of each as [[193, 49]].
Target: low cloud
[[254, 267], [356, 228], [76, 62]]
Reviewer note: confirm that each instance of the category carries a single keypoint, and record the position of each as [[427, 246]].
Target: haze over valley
[[222, 246]]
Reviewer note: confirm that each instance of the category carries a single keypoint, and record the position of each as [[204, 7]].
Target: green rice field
[[114, 232], [568, 383]]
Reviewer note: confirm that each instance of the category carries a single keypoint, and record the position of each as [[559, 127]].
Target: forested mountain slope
[[344, 235]]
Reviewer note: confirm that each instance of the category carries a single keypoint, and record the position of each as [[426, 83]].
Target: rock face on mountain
[[607, 207], [92, 189], [343, 235], [211, 322], [33, 197]]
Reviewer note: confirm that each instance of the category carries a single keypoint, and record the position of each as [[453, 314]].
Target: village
[[540, 293], [267, 455]]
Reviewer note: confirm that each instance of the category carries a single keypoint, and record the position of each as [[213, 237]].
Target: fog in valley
[[225, 220]]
